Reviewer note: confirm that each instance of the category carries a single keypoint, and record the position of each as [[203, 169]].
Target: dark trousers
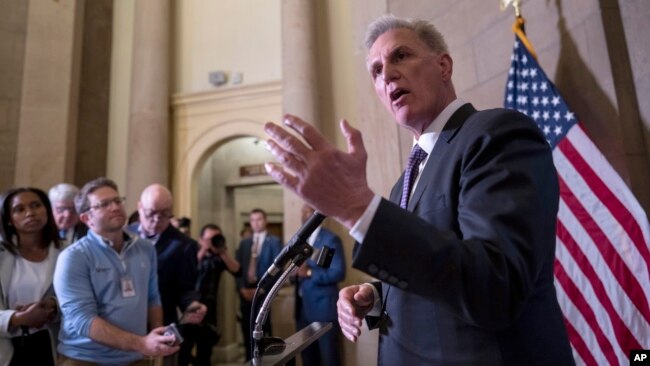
[[32, 349], [323, 352], [246, 310], [205, 337]]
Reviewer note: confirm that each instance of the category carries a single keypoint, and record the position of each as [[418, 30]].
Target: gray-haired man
[[66, 217]]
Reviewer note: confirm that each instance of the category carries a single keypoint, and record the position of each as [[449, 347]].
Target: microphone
[[294, 246]]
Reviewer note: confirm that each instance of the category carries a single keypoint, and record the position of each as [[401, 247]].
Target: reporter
[[28, 253]]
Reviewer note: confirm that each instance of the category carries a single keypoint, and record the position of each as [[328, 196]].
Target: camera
[[218, 241]]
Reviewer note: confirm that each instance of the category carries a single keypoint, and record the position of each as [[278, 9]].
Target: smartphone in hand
[[171, 329]]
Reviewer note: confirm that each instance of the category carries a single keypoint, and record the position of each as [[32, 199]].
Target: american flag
[[602, 257]]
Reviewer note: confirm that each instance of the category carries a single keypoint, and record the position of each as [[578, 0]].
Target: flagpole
[[519, 26], [515, 4]]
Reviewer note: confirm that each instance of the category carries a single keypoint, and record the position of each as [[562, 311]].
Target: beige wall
[[229, 35], [46, 148], [120, 95], [13, 32]]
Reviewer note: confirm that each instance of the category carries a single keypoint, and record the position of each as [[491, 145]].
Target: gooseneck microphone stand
[[296, 252], [268, 345]]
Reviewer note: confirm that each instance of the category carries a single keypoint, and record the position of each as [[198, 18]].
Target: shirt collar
[[154, 238], [128, 239], [430, 135], [260, 236], [312, 238]]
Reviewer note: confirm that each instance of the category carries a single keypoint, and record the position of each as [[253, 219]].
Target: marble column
[[46, 142], [148, 136], [300, 92]]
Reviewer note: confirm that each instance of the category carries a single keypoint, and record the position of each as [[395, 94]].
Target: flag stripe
[[624, 306], [583, 333], [608, 224], [592, 156], [620, 213], [586, 311], [579, 345], [623, 335], [621, 272]]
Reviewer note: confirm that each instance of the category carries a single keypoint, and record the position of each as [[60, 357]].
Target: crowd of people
[[81, 286]]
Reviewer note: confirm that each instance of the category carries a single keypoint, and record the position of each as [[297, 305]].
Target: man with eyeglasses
[[65, 215], [107, 287], [177, 258]]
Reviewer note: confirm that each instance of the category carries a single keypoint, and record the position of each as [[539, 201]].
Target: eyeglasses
[[104, 204], [160, 215], [62, 209]]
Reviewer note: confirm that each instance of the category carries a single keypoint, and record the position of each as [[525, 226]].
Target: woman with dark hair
[[29, 246]]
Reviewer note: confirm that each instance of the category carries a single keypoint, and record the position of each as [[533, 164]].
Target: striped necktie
[[252, 264]]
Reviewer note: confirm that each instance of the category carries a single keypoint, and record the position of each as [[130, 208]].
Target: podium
[[294, 344]]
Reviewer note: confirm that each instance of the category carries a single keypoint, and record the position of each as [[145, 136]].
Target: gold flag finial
[[515, 4]]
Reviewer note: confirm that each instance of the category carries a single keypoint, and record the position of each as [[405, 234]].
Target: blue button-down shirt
[[87, 281]]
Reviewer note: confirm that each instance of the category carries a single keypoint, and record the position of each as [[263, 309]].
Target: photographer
[[213, 259]]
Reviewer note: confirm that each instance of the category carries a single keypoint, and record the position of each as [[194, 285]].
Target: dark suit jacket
[[270, 249], [177, 271], [79, 231], [320, 291], [470, 263]]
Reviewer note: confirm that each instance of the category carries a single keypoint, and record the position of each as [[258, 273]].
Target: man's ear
[[447, 65], [85, 218]]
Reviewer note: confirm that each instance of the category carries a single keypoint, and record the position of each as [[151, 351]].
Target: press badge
[[128, 290]]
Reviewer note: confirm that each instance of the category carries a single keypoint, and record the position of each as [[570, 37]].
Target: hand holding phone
[[171, 329]]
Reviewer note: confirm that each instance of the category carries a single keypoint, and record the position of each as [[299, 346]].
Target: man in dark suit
[[67, 220], [176, 254], [255, 255], [465, 247], [316, 294]]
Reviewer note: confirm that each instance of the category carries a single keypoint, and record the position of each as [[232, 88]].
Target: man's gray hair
[[425, 31], [62, 192]]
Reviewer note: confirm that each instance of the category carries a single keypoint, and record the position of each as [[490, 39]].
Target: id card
[[126, 283]]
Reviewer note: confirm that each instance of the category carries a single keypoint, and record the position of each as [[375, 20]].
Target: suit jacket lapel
[[437, 155], [163, 240], [396, 192]]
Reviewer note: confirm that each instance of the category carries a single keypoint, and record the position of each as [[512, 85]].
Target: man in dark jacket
[[176, 252]]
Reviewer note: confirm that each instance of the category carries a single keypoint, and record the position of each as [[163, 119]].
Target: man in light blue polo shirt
[[107, 287]]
